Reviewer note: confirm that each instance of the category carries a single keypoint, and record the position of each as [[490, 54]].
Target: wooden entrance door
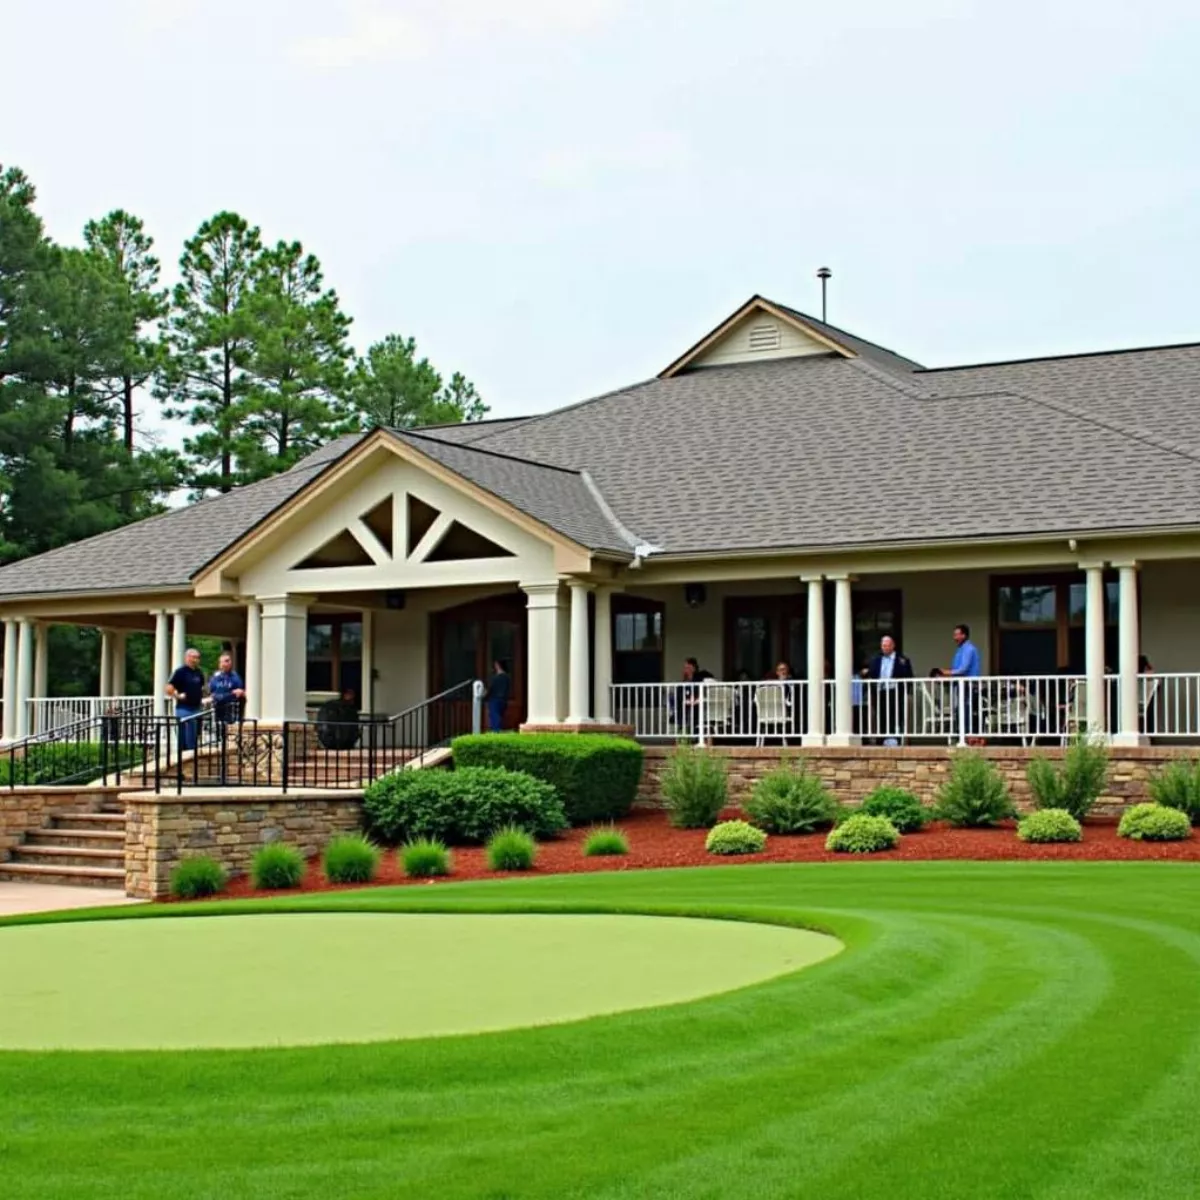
[[466, 641]]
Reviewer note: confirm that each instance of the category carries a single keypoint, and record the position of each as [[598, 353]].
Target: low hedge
[[1050, 825], [1154, 823], [735, 837], [863, 834], [461, 807], [48, 763], [596, 775]]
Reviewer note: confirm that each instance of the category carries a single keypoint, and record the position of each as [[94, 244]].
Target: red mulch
[[653, 843]]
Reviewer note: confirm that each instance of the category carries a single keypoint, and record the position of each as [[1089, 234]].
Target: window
[[334, 654], [637, 640], [875, 613], [1038, 624]]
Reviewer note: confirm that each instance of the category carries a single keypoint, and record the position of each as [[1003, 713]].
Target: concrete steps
[[76, 848]]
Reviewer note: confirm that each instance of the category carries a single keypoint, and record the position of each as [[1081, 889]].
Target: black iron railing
[[115, 747]]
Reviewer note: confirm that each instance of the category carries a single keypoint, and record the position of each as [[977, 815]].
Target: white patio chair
[[1149, 693], [1074, 713], [720, 707], [937, 708], [1013, 714], [774, 713]]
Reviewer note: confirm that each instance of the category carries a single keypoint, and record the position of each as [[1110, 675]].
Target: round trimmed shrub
[[695, 787], [196, 877], [863, 834], [1177, 785], [735, 837], [463, 807], [605, 841], [900, 807], [351, 858], [424, 858], [1154, 823], [511, 849], [791, 800], [1049, 825], [277, 865], [975, 795], [595, 775]]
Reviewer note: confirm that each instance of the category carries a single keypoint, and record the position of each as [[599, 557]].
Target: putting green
[[291, 979]]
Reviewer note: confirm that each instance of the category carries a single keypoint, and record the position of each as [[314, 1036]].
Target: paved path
[[46, 897]]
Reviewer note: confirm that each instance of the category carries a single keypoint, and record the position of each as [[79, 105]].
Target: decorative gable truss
[[397, 528]]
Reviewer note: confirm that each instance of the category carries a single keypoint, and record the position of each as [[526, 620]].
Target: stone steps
[[75, 848], [92, 839], [23, 872]]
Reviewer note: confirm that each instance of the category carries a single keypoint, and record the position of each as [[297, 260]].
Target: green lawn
[[1017, 1030]]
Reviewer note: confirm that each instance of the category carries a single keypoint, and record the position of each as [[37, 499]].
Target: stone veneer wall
[[852, 772], [26, 809], [226, 825]]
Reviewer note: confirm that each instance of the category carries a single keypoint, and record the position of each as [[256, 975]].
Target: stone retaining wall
[[228, 825], [26, 809], [852, 772]]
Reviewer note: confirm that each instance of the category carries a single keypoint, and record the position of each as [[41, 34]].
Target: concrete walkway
[[50, 897]]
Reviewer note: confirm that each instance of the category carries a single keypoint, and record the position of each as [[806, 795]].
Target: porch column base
[[843, 739], [815, 739], [1130, 739]]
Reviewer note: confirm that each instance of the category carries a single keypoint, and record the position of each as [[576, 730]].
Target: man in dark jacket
[[889, 698], [498, 692]]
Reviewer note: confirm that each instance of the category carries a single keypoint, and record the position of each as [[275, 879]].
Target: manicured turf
[[992, 1030], [288, 980]]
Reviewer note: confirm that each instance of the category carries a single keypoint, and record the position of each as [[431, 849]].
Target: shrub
[[735, 837], [1077, 784], [1177, 785], [694, 787], [900, 807], [425, 857], [975, 795], [277, 865], [511, 849], [1049, 825], [67, 762], [1154, 823], [601, 842], [461, 807], [196, 877], [351, 858], [863, 834], [791, 800], [596, 775]]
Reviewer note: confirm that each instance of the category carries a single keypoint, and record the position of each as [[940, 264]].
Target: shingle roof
[[888, 359]]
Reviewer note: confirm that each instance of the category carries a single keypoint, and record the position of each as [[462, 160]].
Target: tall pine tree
[[392, 387]]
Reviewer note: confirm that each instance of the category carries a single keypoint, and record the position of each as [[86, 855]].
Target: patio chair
[[774, 712], [1147, 713], [720, 708], [1074, 712], [937, 708], [1013, 714]]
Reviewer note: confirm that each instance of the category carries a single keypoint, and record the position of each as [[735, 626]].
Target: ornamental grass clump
[[695, 787], [607, 840], [975, 796], [351, 858], [863, 834], [1154, 823], [900, 807], [511, 849], [1177, 785], [196, 877], [276, 866], [735, 837], [1049, 825], [791, 800], [424, 858], [1074, 786]]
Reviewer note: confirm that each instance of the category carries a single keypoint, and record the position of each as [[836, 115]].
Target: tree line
[[250, 350]]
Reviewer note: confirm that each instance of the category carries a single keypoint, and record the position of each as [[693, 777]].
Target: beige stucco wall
[[1171, 615]]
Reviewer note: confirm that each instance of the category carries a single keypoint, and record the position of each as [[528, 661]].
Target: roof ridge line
[[1037, 358], [475, 449], [1132, 432]]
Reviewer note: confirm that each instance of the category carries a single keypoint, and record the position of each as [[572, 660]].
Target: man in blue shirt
[[227, 691], [966, 665]]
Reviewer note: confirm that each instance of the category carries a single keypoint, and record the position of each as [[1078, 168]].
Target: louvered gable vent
[[764, 336]]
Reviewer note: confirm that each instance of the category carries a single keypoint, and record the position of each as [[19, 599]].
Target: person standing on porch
[[186, 688], [966, 665], [227, 690], [891, 709], [498, 691]]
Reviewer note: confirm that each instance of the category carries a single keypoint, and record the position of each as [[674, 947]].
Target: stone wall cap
[[241, 795]]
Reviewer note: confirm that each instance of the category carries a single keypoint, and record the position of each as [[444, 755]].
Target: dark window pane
[[638, 631], [1027, 604], [639, 666], [1112, 593], [320, 641], [351, 639], [318, 676], [751, 647], [1028, 651], [459, 642]]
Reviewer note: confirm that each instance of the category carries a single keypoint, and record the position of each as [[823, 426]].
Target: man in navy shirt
[[186, 688], [498, 691], [227, 691]]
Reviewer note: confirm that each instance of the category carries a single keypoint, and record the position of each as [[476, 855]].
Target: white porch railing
[[47, 715], [1169, 705], [712, 711]]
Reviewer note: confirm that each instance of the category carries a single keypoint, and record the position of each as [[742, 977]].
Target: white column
[[602, 681], [367, 699], [10, 680], [24, 677], [1127, 632], [816, 661], [544, 667], [580, 683], [253, 663], [106, 662], [41, 662], [843, 663], [178, 638], [1094, 646], [284, 657], [120, 655], [162, 662]]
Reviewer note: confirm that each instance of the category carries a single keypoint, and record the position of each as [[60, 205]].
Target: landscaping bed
[[655, 843]]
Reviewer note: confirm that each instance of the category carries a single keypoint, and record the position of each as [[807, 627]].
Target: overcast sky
[[558, 196]]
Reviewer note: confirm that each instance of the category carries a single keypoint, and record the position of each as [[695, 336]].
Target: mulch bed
[[654, 843]]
